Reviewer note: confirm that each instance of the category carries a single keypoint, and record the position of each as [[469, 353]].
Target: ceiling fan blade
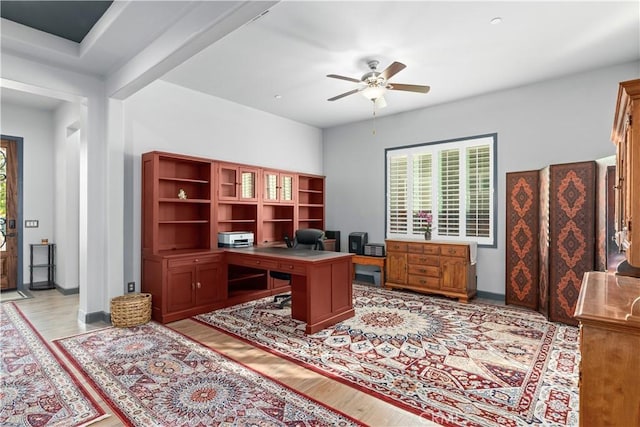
[[349, 79], [392, 70], [342, 95], [410, 88]]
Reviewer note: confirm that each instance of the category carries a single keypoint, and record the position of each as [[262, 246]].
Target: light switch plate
[[31, 223]]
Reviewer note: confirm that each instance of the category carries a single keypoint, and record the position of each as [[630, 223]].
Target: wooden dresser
[[610, 350], [431, 267]]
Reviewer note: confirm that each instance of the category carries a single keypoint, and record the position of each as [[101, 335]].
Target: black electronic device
[[357, 240], [374, 249]]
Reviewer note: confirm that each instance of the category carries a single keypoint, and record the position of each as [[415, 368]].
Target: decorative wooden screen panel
[[543, 243], [572, 198], [522, 239]]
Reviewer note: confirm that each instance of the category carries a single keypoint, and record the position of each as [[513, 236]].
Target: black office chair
[[306, 238]]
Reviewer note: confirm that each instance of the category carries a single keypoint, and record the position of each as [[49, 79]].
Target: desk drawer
[[424, 259], [180, 262], [293, 268], [424, 281], [424, 270], [265, 264]]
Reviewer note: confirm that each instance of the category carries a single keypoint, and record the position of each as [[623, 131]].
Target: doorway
[[10, 239]]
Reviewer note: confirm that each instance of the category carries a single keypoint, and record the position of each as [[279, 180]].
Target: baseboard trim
[[68, 291], [492, 296], [97, 316]]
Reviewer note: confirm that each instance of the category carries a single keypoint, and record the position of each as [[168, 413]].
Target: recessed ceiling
[[71, 20]]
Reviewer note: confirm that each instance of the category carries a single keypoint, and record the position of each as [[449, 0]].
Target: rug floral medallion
[[154, 376], [35, 388], [455, 364]]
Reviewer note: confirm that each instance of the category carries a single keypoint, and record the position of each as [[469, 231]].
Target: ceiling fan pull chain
[[374, 116]]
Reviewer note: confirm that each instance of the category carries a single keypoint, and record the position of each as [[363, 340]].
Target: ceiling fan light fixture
[[373, 92]]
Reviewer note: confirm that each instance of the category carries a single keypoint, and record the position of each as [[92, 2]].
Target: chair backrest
[[309, 238]]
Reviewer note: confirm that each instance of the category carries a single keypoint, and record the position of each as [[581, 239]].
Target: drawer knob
[[196, 260], [198, 285]]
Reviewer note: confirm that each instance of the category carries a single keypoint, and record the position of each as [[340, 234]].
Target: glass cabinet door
[[247, 183], [278, 187], [270, 186], [287, 188], [237, 183]]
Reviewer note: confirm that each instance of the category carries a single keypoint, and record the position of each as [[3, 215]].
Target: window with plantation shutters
[[449, 193], [448, 182], [478, 206], [397, 195], [422, 202]]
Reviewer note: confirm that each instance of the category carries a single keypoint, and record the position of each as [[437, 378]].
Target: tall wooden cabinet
[[431, 267], [626, 136]]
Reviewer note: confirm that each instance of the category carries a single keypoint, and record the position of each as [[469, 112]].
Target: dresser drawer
[[423, 259], [431, 249], [457, 251], [415, 248], [424, 270], [396, 247], [424, 281]]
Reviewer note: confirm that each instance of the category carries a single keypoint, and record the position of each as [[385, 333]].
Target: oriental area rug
[[153, 376], [455, 364], [35, 389]]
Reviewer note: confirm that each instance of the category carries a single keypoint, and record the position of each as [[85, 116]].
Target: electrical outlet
[[131, 287]]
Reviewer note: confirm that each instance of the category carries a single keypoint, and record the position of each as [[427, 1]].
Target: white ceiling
[[450, 46]]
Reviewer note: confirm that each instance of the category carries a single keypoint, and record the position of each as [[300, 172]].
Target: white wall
[[167, 117], [556, 121], [37, 129], [67, 191]]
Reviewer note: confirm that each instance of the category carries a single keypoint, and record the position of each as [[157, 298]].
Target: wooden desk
[[378, 261], [321, 287]]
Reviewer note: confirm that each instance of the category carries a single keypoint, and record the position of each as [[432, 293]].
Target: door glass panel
[[270, 186], [248, 185], [227, 183], [287, 188]]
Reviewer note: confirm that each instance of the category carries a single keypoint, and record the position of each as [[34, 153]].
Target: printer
[[235, 239]]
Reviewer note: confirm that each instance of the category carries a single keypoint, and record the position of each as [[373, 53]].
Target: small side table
[[49, 266], [378, 261]]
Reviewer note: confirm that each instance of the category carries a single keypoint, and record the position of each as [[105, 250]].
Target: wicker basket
[[130, 310]]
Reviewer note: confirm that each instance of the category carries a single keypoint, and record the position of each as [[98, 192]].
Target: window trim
[[494, 190]]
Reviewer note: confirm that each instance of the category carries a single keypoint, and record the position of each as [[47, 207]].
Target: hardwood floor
[[55, 316]]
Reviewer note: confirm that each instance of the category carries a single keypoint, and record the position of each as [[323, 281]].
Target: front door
[[8, 215]]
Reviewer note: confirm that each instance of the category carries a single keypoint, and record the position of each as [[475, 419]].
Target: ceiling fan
[[376, 83]]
